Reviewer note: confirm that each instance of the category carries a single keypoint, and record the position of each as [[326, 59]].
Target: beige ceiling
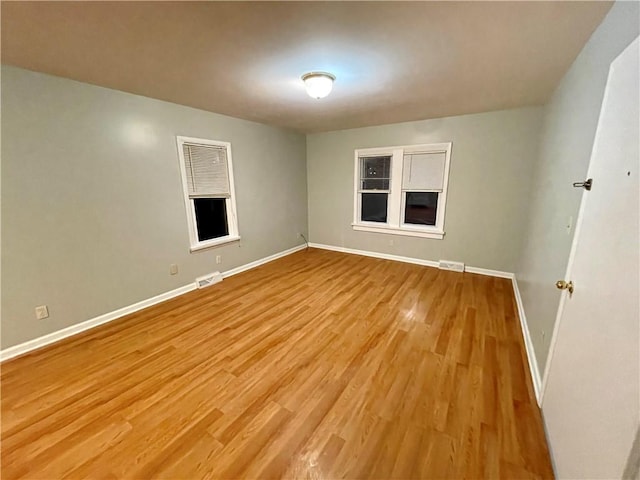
[[394, 61]]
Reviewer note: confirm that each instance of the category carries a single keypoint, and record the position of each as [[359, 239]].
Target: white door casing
[[591, 390]]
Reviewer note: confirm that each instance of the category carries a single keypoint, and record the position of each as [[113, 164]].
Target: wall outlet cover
[[42, 312]]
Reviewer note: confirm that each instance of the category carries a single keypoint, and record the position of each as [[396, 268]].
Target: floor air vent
[[208, 280], [448, 265]]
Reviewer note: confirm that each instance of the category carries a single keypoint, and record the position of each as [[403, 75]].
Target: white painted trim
[[528, 343], [232, 216], [214, 243], [416, 261], [53, 337], [395, 224], [365, 227], [488, 272], [384, 256], [533, 365], [262, 261], [415, 148], [89, 324]]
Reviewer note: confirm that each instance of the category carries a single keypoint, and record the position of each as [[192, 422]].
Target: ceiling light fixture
[[318, 84]]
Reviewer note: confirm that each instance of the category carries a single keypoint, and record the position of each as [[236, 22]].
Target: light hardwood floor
[[318, 365]]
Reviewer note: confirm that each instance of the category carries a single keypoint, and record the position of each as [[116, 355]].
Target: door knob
[[562, 285]]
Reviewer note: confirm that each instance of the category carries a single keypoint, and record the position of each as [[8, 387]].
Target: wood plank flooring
[[318, 365]]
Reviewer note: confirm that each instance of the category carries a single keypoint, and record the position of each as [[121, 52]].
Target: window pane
[[374, 207], [374, 173], [375, 184], [207, 170], [420, 208], [211, 218], [423, 171]]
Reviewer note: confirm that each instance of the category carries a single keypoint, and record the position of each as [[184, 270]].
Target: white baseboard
[[384, 256], [528, 343], [262, 261], [416, 261], [488, 272], [53, 337], [533, 365]]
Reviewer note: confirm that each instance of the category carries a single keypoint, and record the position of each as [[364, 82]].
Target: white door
[[591, 396]]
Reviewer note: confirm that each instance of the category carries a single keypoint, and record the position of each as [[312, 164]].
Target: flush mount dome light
[[318, 84]]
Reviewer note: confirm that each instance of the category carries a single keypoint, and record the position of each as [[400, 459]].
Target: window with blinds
[[207, 178], [423, 171], [402, 190], [422, 181], [207, 172]]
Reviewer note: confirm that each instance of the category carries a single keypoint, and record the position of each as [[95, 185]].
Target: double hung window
[[402, 190], [207, 179]]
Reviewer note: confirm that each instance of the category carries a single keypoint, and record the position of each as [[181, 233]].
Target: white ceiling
[[394, 61]]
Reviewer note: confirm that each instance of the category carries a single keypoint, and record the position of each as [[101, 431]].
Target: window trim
[[395, 215], [232, 218]]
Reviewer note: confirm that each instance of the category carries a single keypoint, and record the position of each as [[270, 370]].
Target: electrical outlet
[[42, 312], [218, 259], [173, 269]]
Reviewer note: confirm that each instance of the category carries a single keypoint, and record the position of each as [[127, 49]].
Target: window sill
[[399, 231], [214, 243]]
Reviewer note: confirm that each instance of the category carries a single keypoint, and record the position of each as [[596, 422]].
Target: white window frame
[[232, 218], [395, 205]]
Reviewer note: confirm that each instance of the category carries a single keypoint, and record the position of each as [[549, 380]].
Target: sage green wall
[[92, 205], [569, 129], [491, 164]]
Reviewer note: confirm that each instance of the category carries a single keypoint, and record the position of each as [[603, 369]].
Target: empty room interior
[[247, 240]]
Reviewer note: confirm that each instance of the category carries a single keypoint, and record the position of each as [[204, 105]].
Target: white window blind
[[206, 170], [423, 171]]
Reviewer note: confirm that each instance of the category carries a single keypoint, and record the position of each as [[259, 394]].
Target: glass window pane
[[375, 184], [420, 208], [375, 172], [211, 218], [374, 207]]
